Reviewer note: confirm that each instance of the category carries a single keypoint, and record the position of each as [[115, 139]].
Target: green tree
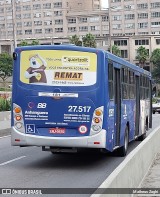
[[89, 40], [35, 42], [23, 43], [142, 55], [155, 58], [116, 50], [6, 67], [75, 40]]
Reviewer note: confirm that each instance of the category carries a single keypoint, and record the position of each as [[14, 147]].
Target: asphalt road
[[32, 168]]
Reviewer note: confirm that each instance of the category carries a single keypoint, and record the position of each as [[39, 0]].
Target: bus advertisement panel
[[58, 68]]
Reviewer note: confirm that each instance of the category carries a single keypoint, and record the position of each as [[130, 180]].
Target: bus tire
[[122, 151], [142, 137]]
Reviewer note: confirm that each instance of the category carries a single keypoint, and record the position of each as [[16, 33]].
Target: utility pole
[[14, 25], [110, 37]]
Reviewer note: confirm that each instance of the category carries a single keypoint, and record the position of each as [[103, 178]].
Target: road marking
[[5, 136], [7, 162]]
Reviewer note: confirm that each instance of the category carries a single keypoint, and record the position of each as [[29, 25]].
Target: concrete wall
[[5, 116], [5, 122], [132, 170]]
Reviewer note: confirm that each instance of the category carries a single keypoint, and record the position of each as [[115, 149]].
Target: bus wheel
[[142, 137], [122, 151]]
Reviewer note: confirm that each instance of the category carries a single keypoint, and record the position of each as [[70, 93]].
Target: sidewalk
[[152, 178]]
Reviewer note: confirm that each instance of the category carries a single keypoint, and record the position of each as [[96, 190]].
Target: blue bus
[[69, 97]]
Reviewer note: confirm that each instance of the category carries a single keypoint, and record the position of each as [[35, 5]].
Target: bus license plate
[[57, 130]]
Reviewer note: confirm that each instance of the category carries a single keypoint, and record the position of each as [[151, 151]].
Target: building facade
[[134, 23], [51, 21]]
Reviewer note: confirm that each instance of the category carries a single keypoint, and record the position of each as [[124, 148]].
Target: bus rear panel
[[57, 98], [68, 97]]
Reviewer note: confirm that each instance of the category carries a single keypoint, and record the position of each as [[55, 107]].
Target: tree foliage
[[6, 67], [155, 58], [116, 50], [75, 40], [25, 43], [35, 42], [89, 40], [142, 55]]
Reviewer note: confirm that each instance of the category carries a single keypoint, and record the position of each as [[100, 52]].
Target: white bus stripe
[[7, 162]]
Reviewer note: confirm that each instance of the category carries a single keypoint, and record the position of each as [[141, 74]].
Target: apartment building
[[134, 23], [51, 21]]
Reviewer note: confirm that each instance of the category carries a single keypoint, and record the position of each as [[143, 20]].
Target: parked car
[[156, 106], [10, 86]]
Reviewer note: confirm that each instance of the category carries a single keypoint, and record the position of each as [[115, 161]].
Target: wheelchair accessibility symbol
[[30, 128]]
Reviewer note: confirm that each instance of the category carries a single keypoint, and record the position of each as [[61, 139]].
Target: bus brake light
[[97, 120], [18, 117]]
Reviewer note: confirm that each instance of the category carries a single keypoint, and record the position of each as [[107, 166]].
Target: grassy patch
[[5, 89], [5, 104]]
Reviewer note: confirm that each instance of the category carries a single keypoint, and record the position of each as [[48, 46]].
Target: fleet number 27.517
[[72, 108]]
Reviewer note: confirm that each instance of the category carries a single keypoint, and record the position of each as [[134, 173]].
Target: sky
[[105, 3]]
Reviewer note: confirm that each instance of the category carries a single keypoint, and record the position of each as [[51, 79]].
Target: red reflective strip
[[17, 140], [96, 142]]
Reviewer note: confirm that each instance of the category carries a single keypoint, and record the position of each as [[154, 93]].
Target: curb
[[130, 173]]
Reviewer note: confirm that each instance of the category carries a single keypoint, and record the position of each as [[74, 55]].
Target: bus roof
[[127, 63], [86, 49]]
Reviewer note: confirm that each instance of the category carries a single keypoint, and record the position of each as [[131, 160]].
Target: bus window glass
[[126, 75], [124, 91], [131, 77], [110, 77]]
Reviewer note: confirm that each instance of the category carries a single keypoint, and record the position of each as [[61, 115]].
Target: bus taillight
[[18, 118], [17, 110], [98, 112], [18, 125], [96, 128], [97, 121]]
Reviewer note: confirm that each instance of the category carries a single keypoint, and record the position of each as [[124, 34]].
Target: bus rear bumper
[[95, 141]]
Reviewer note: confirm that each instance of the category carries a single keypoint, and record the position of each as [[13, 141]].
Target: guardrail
[[130, 173]]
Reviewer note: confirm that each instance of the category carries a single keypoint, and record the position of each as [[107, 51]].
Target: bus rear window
[[58, 68]]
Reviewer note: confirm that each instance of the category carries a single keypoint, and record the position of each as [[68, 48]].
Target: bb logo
[[42, 105]]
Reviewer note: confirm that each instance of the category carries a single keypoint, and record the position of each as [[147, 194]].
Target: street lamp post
[[14, 26], [110, 37]]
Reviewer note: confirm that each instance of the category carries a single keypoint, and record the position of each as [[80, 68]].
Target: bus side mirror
[[14, 55]]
